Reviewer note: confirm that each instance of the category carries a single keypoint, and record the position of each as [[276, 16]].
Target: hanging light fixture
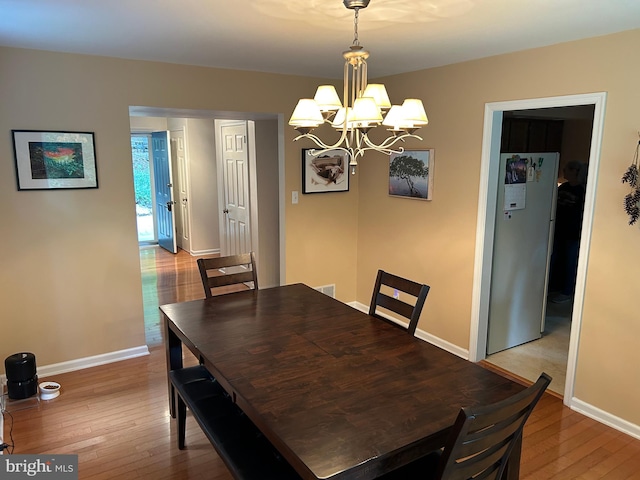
[[364, 106]]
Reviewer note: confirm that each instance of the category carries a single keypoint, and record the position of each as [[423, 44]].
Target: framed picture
[[327, 172], [54, 160], [411, 174]]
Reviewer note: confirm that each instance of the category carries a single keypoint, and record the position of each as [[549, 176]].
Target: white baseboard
[[605, 417], [87, 362], [199, 253], [421, 334]]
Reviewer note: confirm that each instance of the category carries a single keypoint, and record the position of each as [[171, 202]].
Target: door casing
[[489, 170]]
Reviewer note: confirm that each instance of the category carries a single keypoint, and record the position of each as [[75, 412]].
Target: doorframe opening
[[153, 240], [489, 171]]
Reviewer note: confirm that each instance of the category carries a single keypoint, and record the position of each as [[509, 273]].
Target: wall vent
[[329, 290]]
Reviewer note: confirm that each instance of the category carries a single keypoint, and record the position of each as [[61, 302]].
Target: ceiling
[[306, 37]]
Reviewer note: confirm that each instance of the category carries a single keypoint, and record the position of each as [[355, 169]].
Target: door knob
[[225, 211], [169, 203]]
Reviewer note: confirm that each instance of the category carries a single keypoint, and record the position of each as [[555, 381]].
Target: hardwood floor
[[115, 417]]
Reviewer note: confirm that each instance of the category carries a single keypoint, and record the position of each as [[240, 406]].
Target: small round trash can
[[22, 380]]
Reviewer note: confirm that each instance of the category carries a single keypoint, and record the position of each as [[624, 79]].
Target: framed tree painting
[[327, 172], [54, 160], [411, 174]]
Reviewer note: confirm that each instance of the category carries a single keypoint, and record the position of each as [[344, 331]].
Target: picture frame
[[49, 160], [327, 172], [411, 174]]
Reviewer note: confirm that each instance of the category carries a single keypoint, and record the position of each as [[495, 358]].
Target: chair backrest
[[229, 270], [483, 437], [409, 311]]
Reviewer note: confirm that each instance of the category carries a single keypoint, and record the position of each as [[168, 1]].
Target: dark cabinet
[[524, 135]]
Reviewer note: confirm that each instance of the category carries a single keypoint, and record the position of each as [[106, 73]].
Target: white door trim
[[486, 220]]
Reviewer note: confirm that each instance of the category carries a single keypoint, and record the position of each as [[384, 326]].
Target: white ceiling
[[307, 37]]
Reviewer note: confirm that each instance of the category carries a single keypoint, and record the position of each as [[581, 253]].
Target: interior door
[[163, 180], [237, 229], [522, 248], [179, 168]]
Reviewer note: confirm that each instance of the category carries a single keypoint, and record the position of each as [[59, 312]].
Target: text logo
[[51, 467]]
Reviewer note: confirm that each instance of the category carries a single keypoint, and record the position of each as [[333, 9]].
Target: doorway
[[143, 188], [202, 204], [534, 337], [494, 113]]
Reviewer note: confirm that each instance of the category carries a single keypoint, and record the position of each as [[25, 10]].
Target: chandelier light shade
[[363, 107]]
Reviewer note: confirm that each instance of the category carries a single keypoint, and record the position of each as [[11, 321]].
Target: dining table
[[339, 393]]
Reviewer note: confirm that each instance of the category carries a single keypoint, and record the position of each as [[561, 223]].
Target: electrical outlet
[[294, 197]]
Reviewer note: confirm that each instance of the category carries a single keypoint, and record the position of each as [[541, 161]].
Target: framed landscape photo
[[327, 172], [411, 174], [54, 160]]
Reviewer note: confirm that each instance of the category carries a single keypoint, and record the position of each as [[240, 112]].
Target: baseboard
[[87, 362], [421, 334], [605, 417], [199, 253]]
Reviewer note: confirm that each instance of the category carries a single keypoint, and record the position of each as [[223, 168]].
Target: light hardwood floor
[[115, 417]]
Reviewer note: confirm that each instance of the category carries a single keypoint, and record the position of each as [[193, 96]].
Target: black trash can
[[22, 380]]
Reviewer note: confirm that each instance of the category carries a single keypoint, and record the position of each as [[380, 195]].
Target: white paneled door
[[179, 163], [236, 209]]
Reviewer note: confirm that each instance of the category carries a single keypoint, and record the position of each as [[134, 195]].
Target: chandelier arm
[[315, 152], [315, 139], [390, 141]]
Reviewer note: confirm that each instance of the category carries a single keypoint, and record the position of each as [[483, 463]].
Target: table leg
[[173, 347]]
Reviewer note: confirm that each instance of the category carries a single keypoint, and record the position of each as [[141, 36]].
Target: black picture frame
[[325, 173], [50, 160]]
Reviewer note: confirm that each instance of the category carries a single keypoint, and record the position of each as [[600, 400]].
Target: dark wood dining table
[[340, 394]]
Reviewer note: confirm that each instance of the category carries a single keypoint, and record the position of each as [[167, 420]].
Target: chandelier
[[364, 106]]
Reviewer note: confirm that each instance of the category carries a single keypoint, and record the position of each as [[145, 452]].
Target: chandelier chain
[[356, 42]]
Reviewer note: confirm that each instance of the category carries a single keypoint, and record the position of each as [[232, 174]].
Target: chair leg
[[182, 421], [172, 402]]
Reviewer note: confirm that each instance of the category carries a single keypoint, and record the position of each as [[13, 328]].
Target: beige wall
[[70, 273], [267, 196], [71, 259], [434, 241]]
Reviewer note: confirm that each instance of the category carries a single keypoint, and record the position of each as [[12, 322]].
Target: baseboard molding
[[87, 362], [605, 417], [199, 253], [421, 334]]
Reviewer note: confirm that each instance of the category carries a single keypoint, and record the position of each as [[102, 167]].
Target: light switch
[[294, 197]]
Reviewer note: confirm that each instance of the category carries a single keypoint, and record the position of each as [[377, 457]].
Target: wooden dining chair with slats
[[480, 442], [382, 300], [219, 273]]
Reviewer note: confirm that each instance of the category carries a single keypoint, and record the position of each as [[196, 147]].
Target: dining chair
[[225, 271], [216, 273], [393, 303], [480, 442]]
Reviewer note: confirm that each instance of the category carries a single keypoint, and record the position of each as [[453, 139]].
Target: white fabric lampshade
[[378, 92], [327, 98], [413, 110], [366, 111], [306, 114]]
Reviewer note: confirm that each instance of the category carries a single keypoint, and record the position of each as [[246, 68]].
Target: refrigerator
[[523, 239]]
